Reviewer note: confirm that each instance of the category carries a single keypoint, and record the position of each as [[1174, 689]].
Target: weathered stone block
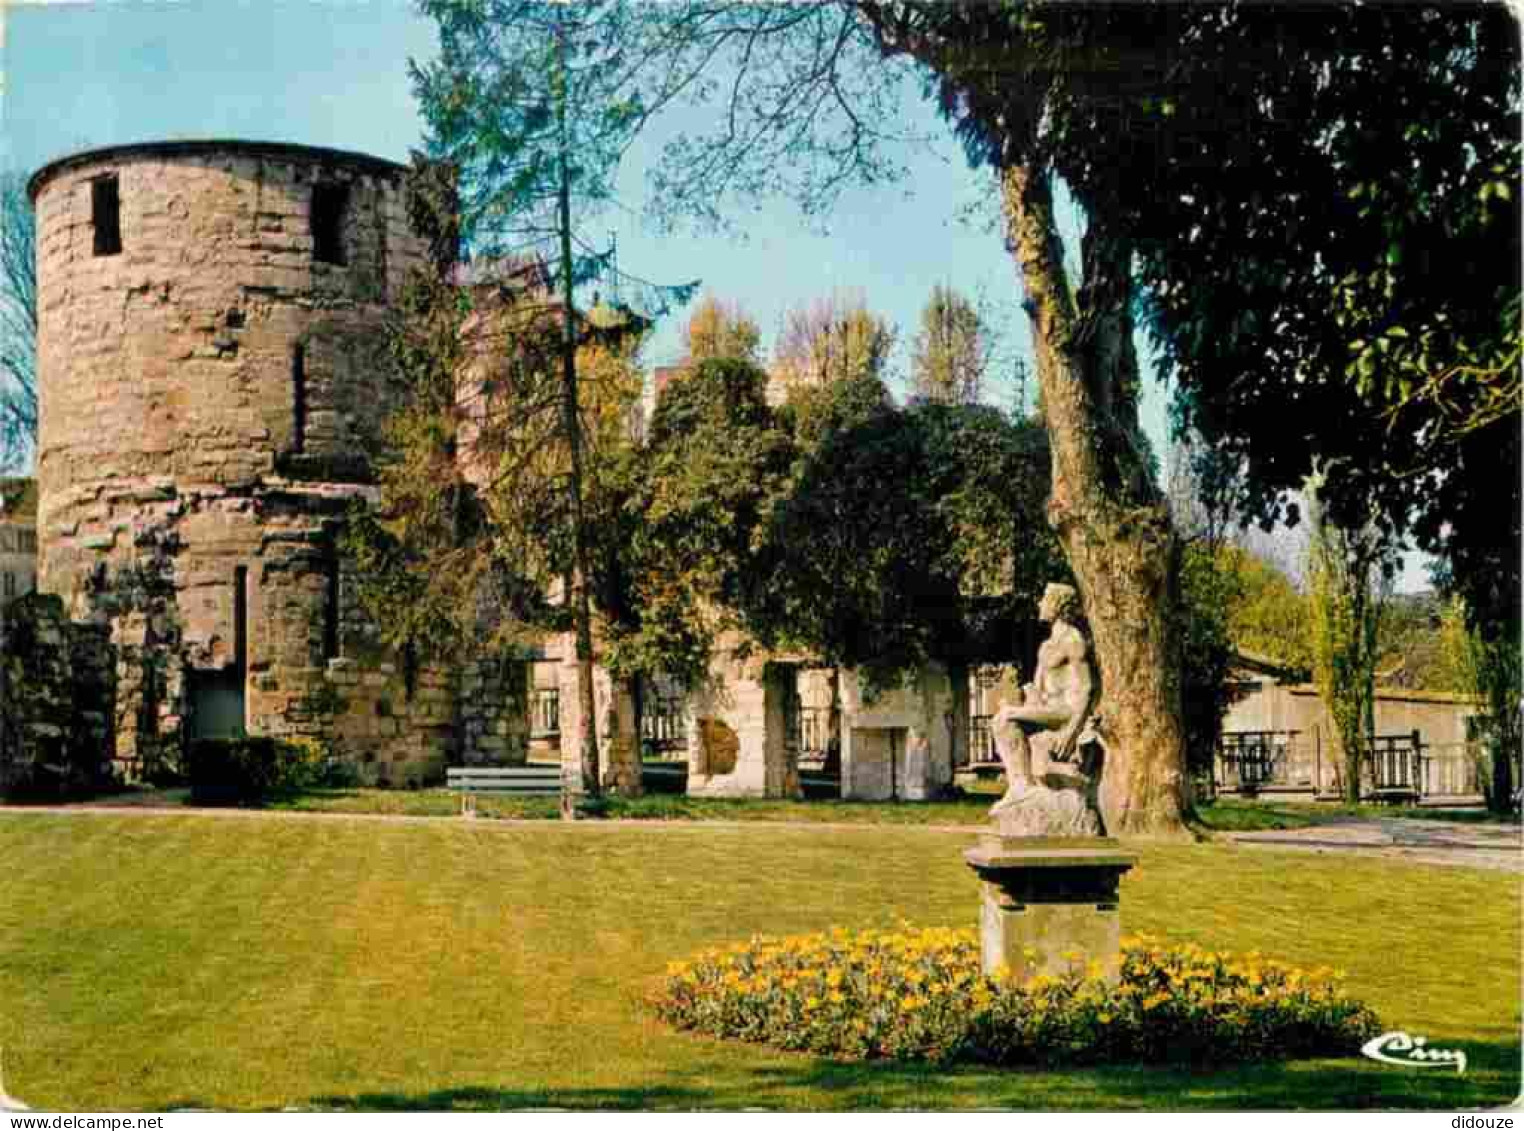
[[1047, 903]]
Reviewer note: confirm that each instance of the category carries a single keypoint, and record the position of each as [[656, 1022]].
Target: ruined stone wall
[[737, 728], [211, 395], [494, 712], [57, 684], [898, 742]]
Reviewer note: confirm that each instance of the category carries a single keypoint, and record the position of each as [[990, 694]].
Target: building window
[[299, 399], [329, 204], [10, 584], [106, 215], [241, 619]]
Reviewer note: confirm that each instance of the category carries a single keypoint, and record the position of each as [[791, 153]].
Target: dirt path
[[1458, 843]]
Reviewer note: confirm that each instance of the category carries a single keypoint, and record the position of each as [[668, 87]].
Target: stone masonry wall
[[57, 683], [211, 397]]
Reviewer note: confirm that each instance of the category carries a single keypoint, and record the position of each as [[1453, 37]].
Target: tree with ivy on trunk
[[535, 104]]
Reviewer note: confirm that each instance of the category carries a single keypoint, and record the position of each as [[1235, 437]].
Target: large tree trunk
[[1109, 515]]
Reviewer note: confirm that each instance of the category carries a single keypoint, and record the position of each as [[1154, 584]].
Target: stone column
[[619, 742]]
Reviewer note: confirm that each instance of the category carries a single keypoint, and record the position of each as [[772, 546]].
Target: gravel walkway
[[1458, 843]]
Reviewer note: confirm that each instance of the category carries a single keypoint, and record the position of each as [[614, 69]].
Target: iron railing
[[981, 741], [544, 712], [662, 725]]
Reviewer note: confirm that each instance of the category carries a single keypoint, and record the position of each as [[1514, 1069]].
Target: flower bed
[[918, 994]]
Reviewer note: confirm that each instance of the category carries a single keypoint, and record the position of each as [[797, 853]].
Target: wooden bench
[[516, 781]]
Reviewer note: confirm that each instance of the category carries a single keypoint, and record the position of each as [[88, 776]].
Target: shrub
[[920, 995], [245, 771]]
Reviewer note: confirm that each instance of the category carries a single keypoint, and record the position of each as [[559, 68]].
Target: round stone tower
[[211, 386]]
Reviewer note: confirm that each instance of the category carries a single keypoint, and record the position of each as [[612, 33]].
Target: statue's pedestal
[[1044, 897]]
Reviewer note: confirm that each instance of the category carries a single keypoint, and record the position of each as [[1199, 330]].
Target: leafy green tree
[[1489, 670], [18, 323], [714, 456], [717, 329], [1300, 279], [951, 353], [862, 534], [831, 339], [534, 104], [1267, 614], [1413, 653], [1264, 120], [904, 535]]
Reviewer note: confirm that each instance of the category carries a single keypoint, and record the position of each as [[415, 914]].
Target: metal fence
[[1251, 760], [981, 741], [810, 734], [1396, 766], [663, 730], [544, 712]]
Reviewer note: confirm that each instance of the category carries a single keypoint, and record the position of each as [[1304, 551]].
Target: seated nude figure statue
[[1049, 795]]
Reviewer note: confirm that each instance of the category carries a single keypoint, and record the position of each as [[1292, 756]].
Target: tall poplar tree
[[951, 352]]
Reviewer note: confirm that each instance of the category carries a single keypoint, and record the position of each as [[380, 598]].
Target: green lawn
[[967, 810], [261, 962], [1224, 815]]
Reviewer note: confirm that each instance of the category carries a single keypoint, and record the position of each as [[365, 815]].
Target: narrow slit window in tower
[[299, 399], [106, 215], [329, 203], [241, 621]]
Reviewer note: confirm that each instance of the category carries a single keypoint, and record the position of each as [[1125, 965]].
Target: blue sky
[[333, 73]]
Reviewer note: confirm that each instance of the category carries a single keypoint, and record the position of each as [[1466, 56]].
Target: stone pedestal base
[[1044, 897]]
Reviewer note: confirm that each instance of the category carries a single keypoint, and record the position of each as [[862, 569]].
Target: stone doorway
[[875, 767]]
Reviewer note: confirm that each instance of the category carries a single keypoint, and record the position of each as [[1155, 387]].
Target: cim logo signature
[[1399, 1048]]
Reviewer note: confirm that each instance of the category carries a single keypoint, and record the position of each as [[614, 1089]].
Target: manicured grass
[[265, 961], [969, 810], [1227, 814], [652, 807]]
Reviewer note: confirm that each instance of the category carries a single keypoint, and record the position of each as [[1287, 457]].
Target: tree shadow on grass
[[1492, 1080]]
